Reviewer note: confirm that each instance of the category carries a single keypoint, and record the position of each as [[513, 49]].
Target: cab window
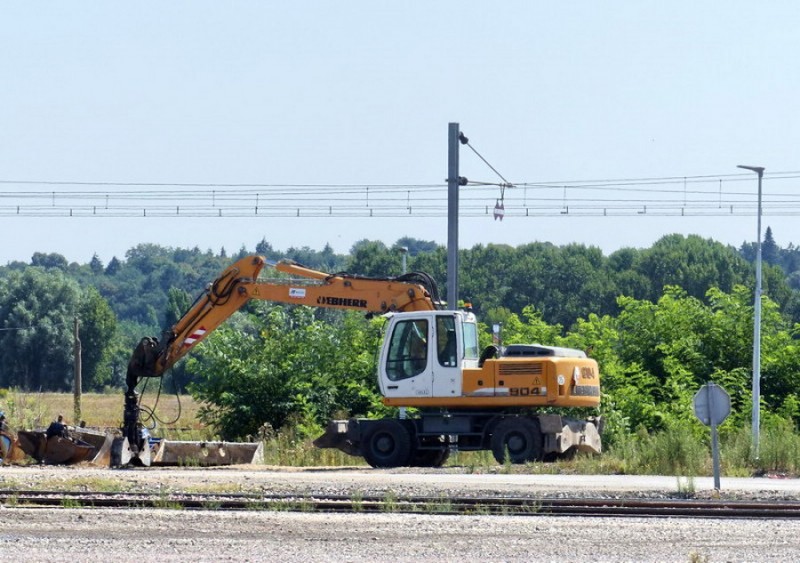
[[408, 349], [470, 335], [446, 342]]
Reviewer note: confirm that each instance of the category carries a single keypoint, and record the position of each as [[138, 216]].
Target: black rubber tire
[[518, 438], [430, 458], [386, 443]]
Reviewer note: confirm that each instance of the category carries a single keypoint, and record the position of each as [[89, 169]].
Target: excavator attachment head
[[123, 455], [160, 452]]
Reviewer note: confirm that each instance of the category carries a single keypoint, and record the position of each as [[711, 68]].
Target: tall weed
[[673, 451], [735, 455], [779, 446]]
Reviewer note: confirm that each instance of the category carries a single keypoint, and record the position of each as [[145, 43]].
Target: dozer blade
[[171, 452]]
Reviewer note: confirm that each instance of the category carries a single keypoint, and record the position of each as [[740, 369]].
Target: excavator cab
[[424, 352]]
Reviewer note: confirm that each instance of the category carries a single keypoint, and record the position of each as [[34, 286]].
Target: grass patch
[[390, 503], [102, 410], [473, 462], [231, 487], [85, 484], [695, 557], [164, 502], [442, 505], [289, 448], [779, 447], [686, 486], [290, 505], [357, 501], [673, 451]]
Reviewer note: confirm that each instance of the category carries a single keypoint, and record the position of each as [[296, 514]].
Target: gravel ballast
[[87, 534]]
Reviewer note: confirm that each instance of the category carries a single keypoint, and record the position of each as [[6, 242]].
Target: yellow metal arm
[[239, 283]]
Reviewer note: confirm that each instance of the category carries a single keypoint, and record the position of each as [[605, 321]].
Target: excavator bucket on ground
[[101, 442], [83, 445], [97, 447], [172, 452]]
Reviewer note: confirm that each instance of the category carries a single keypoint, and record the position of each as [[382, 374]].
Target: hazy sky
[[361, 93]]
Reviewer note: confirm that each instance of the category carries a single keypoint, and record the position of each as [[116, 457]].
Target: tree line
[[660, 320]]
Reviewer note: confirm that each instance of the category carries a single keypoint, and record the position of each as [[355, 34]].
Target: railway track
[[511, 506]]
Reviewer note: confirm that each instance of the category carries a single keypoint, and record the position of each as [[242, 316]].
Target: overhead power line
[[705, 195]]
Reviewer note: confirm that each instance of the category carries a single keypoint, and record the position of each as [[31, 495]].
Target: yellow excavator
[[429, 359]]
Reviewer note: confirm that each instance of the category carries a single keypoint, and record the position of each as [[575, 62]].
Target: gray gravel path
[[168, 535], [181, 535]]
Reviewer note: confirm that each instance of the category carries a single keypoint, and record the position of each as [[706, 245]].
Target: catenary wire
[[643, 196]]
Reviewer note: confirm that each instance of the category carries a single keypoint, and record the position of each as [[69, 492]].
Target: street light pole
[[757, 323]]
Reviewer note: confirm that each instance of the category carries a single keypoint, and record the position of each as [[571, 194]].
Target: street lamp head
[[757, 169]]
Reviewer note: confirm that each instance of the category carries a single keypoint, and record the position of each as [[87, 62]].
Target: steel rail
[[516, 506]]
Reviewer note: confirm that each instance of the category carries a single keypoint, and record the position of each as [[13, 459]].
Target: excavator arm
[[238, 284]]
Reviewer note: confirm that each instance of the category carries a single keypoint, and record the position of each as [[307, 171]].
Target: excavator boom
[[239, 283]]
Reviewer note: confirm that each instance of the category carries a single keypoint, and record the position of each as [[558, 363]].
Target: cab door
[[406, 359], [446, 364]]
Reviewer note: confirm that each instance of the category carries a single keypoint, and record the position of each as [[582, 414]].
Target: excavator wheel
[[386, 443], [518, 438]]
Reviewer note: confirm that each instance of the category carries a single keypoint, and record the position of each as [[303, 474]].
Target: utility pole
[[454, 182], [78, 375]]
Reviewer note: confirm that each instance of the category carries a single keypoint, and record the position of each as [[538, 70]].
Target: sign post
[[712, 405]]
